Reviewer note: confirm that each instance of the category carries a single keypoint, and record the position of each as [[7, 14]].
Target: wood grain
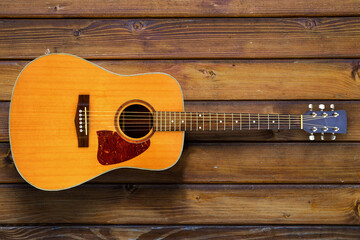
[[181, 232], [182, 204], [335, 79], [293, 107], [205, 56], [184, 8], [243, 163], [182, 38], [4, 121]]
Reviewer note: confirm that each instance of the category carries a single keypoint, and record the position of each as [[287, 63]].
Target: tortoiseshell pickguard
[[112, 149]]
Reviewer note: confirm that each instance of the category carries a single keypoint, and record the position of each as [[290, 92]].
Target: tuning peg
[[322, 137], [310, 107], [321, 107], [311, 137], [333, 136], [332, 107]]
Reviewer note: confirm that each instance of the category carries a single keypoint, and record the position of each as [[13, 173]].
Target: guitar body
[[49, 151]]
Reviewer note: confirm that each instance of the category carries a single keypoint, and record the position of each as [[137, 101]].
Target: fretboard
[[207, 121]]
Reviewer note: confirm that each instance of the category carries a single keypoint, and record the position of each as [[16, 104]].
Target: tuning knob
[[322, 137], [332, 107], [311, 137], [333, 136], [321, 107], [310, 107]]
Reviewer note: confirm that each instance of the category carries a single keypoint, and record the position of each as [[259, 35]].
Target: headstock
[[323, 122]]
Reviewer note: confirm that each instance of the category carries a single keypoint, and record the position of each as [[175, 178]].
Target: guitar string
[[220, 116], [90, 111], [195, 112], [226, 126], [204, 114], [245, 127], [208, 120], [237, 116], [208, 116]]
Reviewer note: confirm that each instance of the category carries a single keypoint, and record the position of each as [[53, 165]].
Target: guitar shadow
[[122, 196]]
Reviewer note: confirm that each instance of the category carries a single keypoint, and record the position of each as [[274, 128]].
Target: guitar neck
[[208, 121]]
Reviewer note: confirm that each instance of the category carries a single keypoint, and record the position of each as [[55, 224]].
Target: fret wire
[[170, 122], [191, 121], [268, 121], [185, 121], [224, 122], [278, 121], [210, 121], [197, 122], [203, 121], [240, 122], [289, 121], [232, 121], [258, 121], [249, 121], [217, 122]]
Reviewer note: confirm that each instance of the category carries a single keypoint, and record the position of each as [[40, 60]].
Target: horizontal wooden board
[[182, 38], [4, 121], [292, 107], [196, 232], [182, 204], [237, 163], [235, 79], [184, 8]]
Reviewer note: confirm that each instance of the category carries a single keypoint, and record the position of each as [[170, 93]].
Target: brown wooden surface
[[181, 232], [182, 204], [335, 79], [182, 38], [228, 63], [184, 8], [238, 163]]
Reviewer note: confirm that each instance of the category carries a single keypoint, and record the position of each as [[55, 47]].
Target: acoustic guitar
[[71, 120]]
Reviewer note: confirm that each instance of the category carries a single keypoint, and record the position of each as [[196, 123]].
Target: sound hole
[[136, 121]]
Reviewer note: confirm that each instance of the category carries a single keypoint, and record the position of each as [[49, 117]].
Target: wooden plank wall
[[237, 55]]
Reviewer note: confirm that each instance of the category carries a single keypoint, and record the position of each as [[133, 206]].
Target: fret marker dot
[[220, 121], [254, 121], [182, 121], [236, 121], [172, 121], [199, 127], [273, 121], [199, 115]]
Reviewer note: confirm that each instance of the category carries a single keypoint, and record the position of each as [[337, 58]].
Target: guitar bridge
[[82, 121]]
